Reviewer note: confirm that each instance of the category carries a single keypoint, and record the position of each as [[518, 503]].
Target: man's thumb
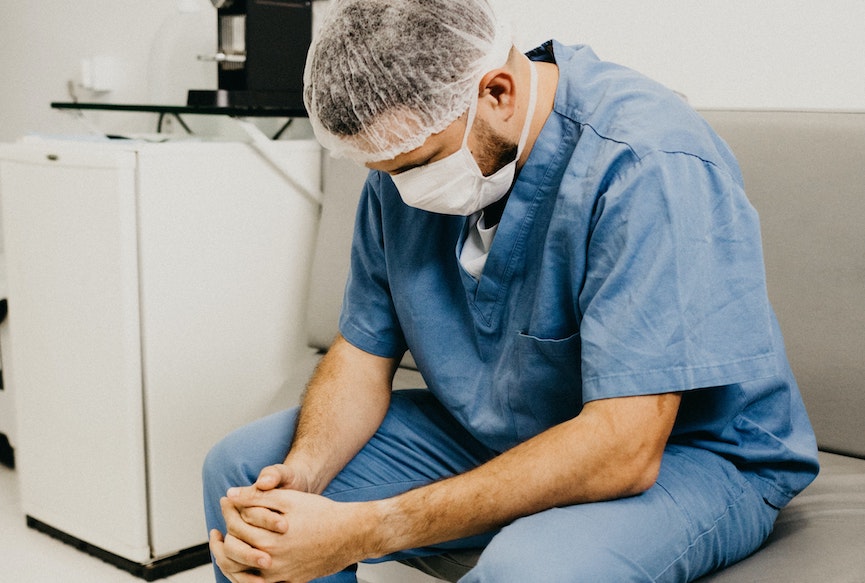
[[272, 477]]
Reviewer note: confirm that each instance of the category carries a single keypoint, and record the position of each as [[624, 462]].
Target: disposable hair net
[[384, 75]]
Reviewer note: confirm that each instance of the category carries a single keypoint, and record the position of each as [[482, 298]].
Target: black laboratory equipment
[[261, 53]]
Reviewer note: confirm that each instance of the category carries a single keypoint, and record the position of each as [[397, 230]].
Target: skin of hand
[[237, 559], [299, 536]]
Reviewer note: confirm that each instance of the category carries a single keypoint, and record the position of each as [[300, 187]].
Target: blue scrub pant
[[702, 514]]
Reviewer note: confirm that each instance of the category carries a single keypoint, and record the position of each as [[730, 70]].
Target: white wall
[[721, 53]]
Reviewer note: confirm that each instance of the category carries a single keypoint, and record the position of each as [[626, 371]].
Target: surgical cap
[[384, 75]]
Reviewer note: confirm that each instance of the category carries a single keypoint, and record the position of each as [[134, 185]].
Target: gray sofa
[[805, 174]]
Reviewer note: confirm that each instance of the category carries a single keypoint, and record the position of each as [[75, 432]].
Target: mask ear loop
[[530, 113], [473, 112]]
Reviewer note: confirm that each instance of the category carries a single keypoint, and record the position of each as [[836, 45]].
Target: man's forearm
[[343, 406], [609, 451]]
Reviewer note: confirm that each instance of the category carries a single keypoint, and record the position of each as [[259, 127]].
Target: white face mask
[[455, 185]]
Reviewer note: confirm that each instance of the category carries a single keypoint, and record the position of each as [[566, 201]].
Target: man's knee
[[237, 458]]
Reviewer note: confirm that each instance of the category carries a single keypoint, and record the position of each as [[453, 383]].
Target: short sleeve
[[368, 318], [674, 296]]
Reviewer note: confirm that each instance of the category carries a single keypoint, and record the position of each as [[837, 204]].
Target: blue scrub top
[[628, 262]]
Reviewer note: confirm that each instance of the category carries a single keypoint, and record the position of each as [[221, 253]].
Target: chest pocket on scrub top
[[546, 388]]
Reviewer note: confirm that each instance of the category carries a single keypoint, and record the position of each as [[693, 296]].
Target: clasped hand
[[277, 533]]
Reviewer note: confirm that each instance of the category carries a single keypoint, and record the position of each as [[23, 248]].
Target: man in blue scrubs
[[566, 249]]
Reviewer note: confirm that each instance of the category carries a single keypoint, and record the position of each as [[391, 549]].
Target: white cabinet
[[157, 295]]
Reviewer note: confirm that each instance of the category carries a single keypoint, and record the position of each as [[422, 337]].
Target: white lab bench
[[157, 294]]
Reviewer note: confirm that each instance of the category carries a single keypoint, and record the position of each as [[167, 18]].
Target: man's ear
[[497, 90]]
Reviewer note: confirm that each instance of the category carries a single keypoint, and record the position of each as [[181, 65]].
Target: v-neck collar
[[486, 296]]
